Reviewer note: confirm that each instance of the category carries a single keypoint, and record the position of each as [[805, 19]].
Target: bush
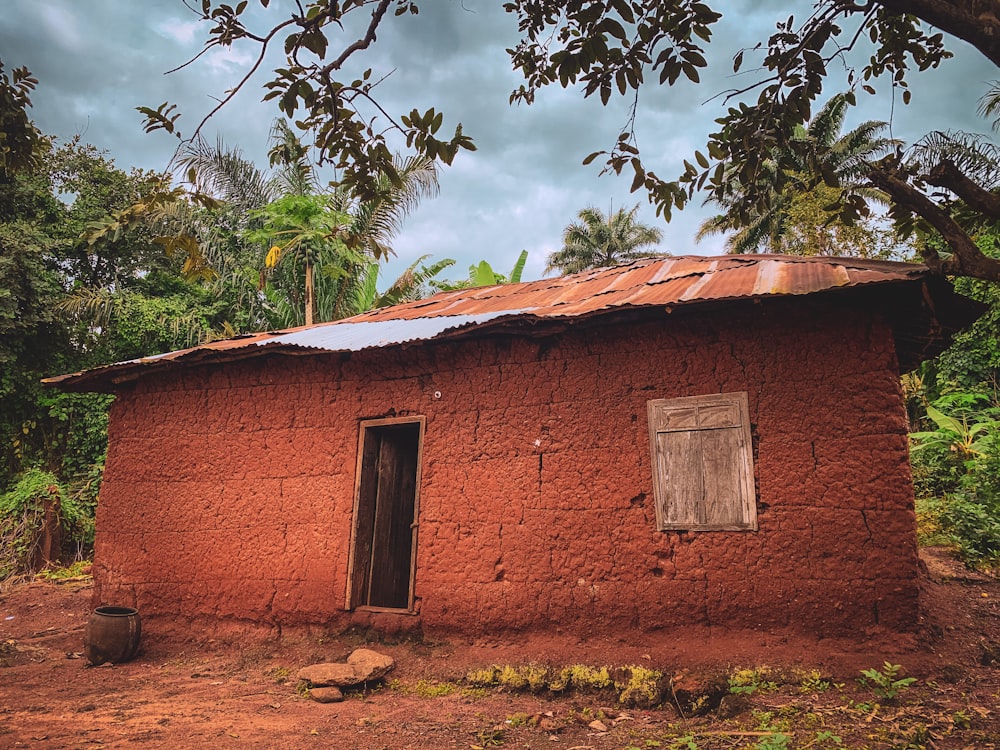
[[22, 521], [956, 477], [974, 527], [972, 514]]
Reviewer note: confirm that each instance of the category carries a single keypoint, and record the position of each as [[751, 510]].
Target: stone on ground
[[326, 694], [329, 674], [362, 666], [370, 665]]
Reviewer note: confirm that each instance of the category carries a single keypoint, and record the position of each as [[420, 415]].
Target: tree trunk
[[309, 293], [975, 21], [49, 547], [966, 258]]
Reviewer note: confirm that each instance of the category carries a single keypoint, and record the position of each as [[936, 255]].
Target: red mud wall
[[229, 489]]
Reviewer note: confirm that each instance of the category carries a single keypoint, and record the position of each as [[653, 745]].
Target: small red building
[[679, 441]]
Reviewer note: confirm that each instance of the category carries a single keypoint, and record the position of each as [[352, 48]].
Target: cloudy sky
[[96, 60]]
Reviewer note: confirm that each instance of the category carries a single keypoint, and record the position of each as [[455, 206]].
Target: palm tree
[[410, 285], [332, 239], [817, 159], [599, 241], [374, 223], [242, 190]]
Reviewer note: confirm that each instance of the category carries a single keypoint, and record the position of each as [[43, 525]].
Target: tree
[[66, 304], [375, 222], [306, 230], [795, 219], [598, 241], [20, 141], [250, 201], [125, 295], [807, 227], [342, 133], [793, 68], [610, 48]]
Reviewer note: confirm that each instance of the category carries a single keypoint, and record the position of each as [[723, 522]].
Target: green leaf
[[483, 274], [515, 274], [944, 422]]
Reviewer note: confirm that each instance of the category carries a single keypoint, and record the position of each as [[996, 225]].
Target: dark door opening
[[385, 514]]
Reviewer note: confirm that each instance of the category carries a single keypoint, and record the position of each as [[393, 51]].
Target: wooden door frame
[[363, 426]]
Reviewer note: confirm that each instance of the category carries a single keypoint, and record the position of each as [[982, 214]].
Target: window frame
[[711, 421]]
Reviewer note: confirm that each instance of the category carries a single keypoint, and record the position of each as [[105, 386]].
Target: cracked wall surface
[[229, 489]]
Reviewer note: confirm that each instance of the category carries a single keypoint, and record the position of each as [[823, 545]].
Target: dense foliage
[[954, 405], [66, 305], [20, 140], [23, 524], [100, 265], [955, 472]]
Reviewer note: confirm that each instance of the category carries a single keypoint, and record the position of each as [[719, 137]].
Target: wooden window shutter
[[703, 463]]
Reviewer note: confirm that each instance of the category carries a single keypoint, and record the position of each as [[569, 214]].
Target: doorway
[[383, 547]]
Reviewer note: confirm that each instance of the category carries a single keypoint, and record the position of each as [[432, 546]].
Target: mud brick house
[[680, 441]]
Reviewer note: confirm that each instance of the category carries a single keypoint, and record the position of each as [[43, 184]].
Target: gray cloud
[[98, 60]]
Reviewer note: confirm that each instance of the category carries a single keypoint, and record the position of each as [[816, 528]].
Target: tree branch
[[945, 174], [360, 44], [966, 259], [239, 86], [978, 23]]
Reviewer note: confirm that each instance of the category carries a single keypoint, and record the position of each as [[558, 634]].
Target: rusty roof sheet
[[659, 282]]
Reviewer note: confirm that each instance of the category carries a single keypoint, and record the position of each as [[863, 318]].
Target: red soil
[[190, 690]]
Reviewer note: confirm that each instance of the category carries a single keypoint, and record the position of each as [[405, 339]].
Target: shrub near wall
[[956, 473], [37, 522]]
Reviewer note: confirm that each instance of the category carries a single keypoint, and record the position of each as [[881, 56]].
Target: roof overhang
[[923, 309]]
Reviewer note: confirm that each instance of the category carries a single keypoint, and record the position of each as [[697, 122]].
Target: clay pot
[[112, 635]]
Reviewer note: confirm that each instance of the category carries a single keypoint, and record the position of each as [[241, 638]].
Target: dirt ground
[[189, 688]]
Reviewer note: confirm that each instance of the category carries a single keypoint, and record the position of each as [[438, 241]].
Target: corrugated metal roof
[[660, 282], [665, 282], [368, 334], [341, 336]]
